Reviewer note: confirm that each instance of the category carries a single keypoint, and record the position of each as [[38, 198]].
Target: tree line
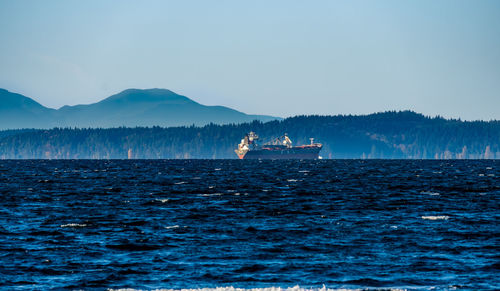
[[399, 135]]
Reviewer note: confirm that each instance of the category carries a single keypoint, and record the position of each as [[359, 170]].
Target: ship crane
[[282, 140], [287, 141]]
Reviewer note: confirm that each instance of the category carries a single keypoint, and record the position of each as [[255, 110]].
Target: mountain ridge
[[130, 107]]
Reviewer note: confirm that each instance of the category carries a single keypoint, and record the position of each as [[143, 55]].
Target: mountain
[[18, 111], [132, 107]]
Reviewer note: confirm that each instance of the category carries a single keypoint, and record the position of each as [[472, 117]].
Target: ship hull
[[294, 153]]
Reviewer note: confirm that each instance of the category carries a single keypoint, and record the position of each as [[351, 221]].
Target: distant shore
[[388, 135]]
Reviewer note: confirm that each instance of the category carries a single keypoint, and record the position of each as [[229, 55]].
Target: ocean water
[[192, 224]]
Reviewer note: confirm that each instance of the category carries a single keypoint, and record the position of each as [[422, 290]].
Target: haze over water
[[146, 224]]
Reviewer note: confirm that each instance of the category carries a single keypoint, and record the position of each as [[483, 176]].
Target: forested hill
[[383, 135]]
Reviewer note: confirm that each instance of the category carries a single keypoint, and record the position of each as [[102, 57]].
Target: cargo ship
[[279, 148]]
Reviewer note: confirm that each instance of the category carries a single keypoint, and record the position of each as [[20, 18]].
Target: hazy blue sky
[[268, 57]]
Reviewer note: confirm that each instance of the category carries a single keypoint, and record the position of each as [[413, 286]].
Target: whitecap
[[430, 193], [437, 217], [211, 194], [172, 226], [162, 200], [231, 288], [180, 183], [73, 225], [292, 180]]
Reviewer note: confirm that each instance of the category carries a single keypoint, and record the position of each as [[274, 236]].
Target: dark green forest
[[398, 135]]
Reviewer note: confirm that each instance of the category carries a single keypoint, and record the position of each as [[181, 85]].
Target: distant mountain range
[[130, 108]]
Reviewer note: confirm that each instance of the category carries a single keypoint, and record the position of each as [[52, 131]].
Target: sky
[[280, 58]]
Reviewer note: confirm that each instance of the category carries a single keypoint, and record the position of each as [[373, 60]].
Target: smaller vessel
[[280, 148]]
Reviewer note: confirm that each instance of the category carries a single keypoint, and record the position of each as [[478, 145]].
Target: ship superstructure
[[279, 148]]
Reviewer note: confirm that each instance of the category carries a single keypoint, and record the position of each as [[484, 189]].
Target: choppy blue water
[[250, 224]]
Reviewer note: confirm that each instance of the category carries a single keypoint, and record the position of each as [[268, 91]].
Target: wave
[[437, 217], [73, 225], [295, 288], [430, 193]]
